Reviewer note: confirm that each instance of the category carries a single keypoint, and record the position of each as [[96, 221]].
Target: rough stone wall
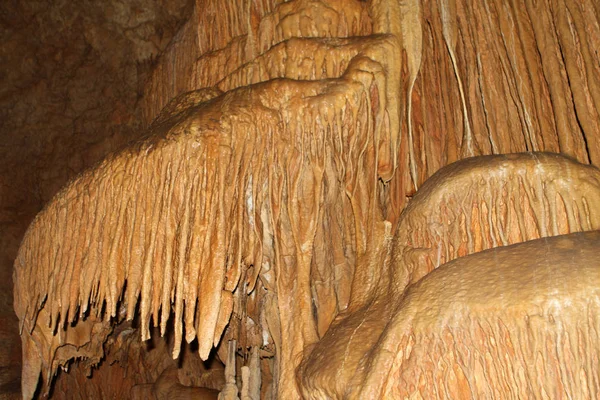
[[70, 83]]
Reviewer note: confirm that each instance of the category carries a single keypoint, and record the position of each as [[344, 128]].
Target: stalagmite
[[167, 387], [251, 377], [487, 326], [485, 202], [230, 391], [304, 205], [476, 204]]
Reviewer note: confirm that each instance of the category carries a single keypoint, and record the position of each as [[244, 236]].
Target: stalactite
[[175, 247], [267, 206], [481, 203]]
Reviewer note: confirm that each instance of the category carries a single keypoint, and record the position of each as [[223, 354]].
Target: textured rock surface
[[465, 208], [485, 202], [266, 206], [518, 321], [70, 82], [137, 372], [486, 78]]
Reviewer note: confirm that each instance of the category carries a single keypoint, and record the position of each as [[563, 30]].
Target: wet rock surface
[[286, 202]]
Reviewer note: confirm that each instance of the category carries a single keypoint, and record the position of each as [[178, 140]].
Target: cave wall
[[493, 77], [71, 76]]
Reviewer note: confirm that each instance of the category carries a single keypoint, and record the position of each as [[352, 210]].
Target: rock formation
[[323, 206], [71, 75], [516, 321]]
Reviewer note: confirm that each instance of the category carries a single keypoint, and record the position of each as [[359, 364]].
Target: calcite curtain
[[288, 170]]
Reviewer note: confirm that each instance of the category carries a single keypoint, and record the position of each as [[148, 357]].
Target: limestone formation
[[510, 322], [336, 199]]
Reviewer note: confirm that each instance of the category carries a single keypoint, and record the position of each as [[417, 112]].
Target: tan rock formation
[[552, 306], [71, 74], [518, 321], [285, 210], [473, 205]]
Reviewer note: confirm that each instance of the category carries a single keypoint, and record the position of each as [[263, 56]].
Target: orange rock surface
[[337, 198]]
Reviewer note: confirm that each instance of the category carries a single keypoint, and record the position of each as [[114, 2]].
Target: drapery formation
[[223, 192], [269, 205]]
